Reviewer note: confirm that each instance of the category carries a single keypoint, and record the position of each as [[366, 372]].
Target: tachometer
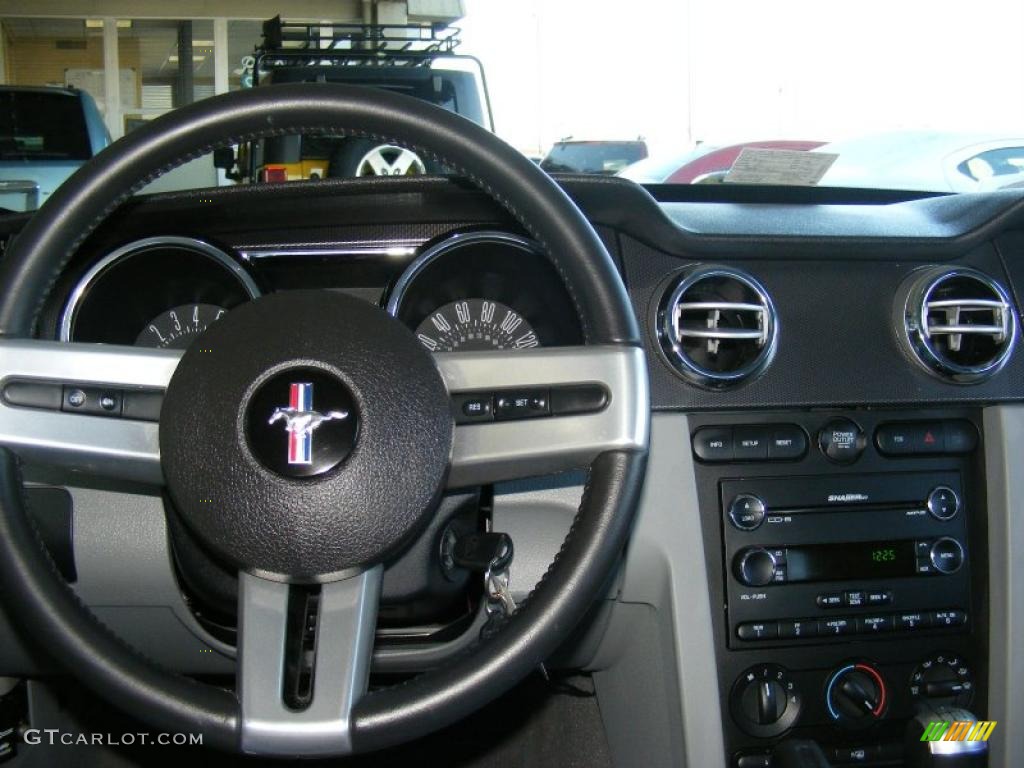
[[175, 328], [475, 324]]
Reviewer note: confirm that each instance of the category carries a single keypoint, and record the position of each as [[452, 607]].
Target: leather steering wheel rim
[[48, 609]]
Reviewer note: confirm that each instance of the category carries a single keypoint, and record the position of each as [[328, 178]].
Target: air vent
[[959, 323], [717, 326]]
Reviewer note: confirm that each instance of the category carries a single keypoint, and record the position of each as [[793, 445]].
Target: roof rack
[[289, 44]]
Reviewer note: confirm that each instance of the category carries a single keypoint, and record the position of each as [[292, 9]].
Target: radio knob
[[746, 512], [756, 567], [947, 555], [943, 503]]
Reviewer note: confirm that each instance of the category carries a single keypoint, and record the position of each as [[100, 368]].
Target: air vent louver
[[717, 326], [959, 323]]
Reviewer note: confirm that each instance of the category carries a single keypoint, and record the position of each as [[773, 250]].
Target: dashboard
[[825, 543]]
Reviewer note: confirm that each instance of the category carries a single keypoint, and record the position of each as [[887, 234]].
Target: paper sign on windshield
[[786, 167]]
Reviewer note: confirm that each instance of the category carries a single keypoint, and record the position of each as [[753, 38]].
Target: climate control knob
[[756, 567], [765, 702], [856, 695]]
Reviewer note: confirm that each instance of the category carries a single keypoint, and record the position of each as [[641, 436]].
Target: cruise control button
[[796, 629], [918, 620], [758, 630], [520, 405], [585, 398], [713, 444], [841, 441], [750, 443], [33, 394], [477, 407], [787, 441]]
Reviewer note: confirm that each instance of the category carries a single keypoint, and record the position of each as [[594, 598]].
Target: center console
[[849, 572]]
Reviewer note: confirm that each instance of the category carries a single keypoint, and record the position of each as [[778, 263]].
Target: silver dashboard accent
[[503, 450], [346, 617], [439, 249], [393, 248], [923, 320], [104, 446], [67, 319], [672, 329]]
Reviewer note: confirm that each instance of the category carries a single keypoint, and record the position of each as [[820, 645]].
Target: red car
[[698, 164]]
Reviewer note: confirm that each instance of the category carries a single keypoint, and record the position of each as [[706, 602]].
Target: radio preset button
[[919, 620], [950, 618], [838, 626], [795, 629], [747, 512], [947, 555], [758, 630], [830, 600], [869, 625], [943, 503], [842, 441]]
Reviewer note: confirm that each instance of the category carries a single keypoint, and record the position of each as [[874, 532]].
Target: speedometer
[[475, 324]]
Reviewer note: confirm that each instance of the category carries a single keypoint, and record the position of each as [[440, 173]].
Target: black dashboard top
[[833, 265]]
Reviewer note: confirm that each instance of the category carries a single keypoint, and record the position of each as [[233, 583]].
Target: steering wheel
[[383, 449]]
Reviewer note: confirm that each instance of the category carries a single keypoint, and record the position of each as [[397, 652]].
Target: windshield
[[912, 95], [35, 125]]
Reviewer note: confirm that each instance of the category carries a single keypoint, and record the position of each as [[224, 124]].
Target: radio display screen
[[860, 560]]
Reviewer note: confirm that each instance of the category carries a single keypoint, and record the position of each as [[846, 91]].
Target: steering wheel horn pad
[[381, 406]]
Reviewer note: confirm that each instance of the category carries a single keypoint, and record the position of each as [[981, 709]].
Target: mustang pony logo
[[300, 420]]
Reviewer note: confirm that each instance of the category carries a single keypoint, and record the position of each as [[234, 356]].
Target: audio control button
[[947, 555], [756, 567], [796, 629], [950, 618], [943, 503], [879, 597], [874, 625], [758, 630], [837, 626], [910, 621], [747, 512], [830, 600]]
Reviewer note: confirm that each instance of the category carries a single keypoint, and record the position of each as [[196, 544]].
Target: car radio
[[827, 556]]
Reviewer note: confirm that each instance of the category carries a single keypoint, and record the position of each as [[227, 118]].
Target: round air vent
[[717, 326], [958, 323]]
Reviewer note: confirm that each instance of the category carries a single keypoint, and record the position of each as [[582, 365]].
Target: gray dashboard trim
[[665, 569], [1004, 434]]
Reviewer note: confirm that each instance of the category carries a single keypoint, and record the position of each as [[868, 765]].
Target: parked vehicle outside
[[410, 59], [934, 161], [601, 157], [703, 164], [46, 133]]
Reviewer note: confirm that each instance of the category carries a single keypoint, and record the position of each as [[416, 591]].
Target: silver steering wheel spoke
[[345, 622], [490, 451], [95, 444]]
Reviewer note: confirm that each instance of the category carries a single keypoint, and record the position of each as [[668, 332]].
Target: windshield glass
[[912, 95], [909, 95], [35, 125]]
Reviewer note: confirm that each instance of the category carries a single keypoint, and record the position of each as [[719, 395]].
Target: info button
[[713, 444]]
